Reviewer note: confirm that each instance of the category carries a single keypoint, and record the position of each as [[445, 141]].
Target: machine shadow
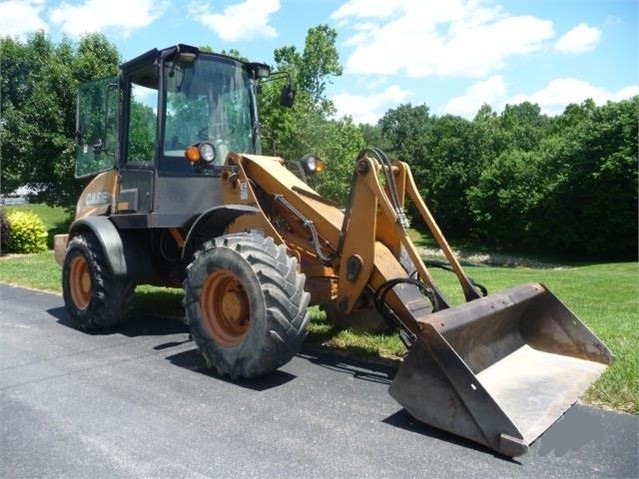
[[136, 324], [193, 361], [360, 368], [139, 325], [376, 370]]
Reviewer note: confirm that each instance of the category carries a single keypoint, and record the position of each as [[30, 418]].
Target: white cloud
[[559, 93], [76, 19], [491, 91], [423, 38], [625, 93], [364, 9], [580, 39], [19, 17], [369, 108], [552, 98], [240, 21]]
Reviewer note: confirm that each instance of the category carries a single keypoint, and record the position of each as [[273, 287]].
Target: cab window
[[142, 128], [96, 126]]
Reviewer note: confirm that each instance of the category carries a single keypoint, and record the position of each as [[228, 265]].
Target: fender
[[109, 238], [214, 221]]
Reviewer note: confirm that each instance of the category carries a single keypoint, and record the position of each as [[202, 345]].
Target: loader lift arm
[[498, 370], [363, 243]]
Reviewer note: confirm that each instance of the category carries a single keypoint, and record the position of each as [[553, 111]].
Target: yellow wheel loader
[[181, 196]]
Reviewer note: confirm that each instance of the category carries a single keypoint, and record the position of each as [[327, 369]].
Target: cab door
[[96, 127], [139, 150]]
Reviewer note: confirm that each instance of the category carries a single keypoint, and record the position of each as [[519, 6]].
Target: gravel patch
[[490, 259]]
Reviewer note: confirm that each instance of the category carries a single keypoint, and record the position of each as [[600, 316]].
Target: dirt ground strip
[[490, 259]]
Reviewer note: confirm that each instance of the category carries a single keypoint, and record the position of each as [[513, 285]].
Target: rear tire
[[93, 296], [245, 305]]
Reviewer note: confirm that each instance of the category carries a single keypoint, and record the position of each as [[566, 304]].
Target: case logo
[[98, 198]]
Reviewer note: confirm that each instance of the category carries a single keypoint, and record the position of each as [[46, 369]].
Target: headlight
[[202, 151], [311, 164], [207, 152]]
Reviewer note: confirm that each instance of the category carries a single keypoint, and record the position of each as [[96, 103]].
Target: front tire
[[93, 296], [245, 305]]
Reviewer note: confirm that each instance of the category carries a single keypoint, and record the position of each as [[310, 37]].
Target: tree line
[[516, 179], [520, 179]]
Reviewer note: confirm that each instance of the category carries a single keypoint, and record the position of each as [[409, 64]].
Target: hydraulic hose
[[379, 300]]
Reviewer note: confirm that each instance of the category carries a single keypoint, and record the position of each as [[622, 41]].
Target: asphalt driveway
[[138, 403]]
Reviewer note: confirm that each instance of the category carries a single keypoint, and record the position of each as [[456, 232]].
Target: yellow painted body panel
[[99, 197]]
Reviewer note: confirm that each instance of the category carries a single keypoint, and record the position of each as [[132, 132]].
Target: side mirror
[[287, 97]]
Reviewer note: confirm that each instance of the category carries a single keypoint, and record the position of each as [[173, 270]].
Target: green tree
[[505, 201], [309, 127], [319, 62], [39, 85], [407, 130], [456, 165], [568, 186], [373, 136], [19, 64], [523, 126], [446, 155], [339, 154], [590, 166], [488, 135]]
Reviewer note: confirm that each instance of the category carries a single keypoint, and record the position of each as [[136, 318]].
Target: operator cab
[[143, 121], [210, 100]]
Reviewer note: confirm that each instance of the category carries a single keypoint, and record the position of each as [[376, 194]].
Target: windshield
[[207, 100]]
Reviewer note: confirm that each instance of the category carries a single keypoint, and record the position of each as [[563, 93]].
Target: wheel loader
[[180, 195]]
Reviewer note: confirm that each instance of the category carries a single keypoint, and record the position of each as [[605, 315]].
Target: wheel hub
[[225, 308], [80, 282]]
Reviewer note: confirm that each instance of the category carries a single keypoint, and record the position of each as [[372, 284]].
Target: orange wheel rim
[[80, 282], [225, 308]]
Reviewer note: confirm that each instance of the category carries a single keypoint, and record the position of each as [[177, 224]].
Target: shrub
[[506, 199], [28, 234], [5, 230]]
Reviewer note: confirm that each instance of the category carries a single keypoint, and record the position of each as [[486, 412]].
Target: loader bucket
[[499, 370]]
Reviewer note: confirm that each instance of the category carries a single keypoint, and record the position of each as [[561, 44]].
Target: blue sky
[[452, 55]]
